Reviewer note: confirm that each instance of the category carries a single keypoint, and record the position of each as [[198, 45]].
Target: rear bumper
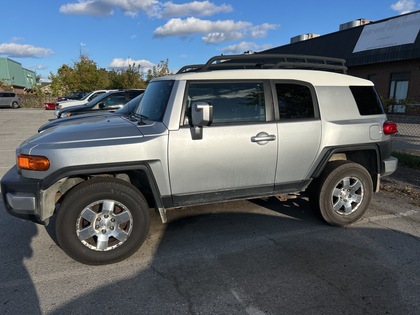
[[389, 166]]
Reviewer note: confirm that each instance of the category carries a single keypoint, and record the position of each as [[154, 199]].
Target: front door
[[237, 153]]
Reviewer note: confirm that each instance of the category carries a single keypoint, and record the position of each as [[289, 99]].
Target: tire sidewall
[[87, 193]]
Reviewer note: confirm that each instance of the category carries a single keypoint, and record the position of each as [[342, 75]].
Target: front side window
[[233, 102], [155, 99], [294, 101]]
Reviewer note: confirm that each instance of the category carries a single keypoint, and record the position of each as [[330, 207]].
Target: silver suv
[[237, 127], [9, 99]]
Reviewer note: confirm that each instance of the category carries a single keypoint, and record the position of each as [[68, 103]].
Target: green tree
[[159, 70]]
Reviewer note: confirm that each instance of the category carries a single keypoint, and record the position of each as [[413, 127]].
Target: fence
[[408, 137]]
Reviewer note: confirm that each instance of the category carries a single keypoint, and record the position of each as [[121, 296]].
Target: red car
[[49, 106]]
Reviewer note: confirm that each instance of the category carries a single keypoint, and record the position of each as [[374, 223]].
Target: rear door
[[237, 154], [299, 132]]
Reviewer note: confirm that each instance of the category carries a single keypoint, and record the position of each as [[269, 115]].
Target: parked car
[[9, 99], [226, 130], [71, 96], [49, 106], [84, 100], [125, 111], [110, 101]]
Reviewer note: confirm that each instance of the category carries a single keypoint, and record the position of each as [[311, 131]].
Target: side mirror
[[101, 105], [201, 114]]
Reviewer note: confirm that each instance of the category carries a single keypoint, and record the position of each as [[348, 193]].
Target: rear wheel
[[15, 105], [102, 221], [342, 194]]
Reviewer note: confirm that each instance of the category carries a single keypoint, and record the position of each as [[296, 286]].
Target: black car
[[125, 111], [110, 101]]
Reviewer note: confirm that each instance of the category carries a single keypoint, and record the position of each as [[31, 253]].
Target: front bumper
[[21, 196]]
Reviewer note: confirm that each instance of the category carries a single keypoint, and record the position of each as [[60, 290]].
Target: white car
[[84, 100]]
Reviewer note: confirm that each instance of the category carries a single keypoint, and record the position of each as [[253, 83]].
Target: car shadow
[[17, 291], [279, 260]]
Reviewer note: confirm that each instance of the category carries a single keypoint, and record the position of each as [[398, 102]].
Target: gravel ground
[[404, 181]]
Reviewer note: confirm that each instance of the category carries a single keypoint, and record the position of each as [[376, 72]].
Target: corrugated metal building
[[12, 73], [386, 52]]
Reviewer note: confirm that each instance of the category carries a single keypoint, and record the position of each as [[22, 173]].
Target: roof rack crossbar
[[268, 61]]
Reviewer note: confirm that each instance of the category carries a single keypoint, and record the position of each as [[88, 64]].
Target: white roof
[[315, 77]]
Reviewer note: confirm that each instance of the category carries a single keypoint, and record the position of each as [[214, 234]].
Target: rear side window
[[294, 101], [367, 100]]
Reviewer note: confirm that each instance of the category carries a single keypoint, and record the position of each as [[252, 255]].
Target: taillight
[[389, 127], [33, 162]]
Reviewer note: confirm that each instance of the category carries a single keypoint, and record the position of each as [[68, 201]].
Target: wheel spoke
[[122, 217], [356, 186], [347, 207], [336, 192], [337, 206], [346, 182], [108, 206], [102, 243], [86, 233], [120, 235], [357, 198], [89, 215]]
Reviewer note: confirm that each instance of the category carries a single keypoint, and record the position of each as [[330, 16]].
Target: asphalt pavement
[[262, 256]]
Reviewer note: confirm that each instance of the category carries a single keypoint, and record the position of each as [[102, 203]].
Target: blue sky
[[44, 35]]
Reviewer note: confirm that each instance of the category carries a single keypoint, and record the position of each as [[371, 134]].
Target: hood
[[76, 119], [88, 129]]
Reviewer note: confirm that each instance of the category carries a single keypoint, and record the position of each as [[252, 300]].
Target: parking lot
[[262, 256]]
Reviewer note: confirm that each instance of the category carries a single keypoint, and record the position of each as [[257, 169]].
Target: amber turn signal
[[33, 162]]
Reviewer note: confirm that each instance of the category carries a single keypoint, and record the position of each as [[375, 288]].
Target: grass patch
[[409, 160]]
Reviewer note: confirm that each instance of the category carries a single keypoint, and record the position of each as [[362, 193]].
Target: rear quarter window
[[367, 100]]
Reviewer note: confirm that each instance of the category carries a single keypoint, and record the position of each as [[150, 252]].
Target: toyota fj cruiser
[[242, 126]]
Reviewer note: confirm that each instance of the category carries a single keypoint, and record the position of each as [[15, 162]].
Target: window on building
[[399, 85], [373, 78]]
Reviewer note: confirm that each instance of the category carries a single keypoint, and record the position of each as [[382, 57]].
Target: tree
[[84, 75], [160, 70]]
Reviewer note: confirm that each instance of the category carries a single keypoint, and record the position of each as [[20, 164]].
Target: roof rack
[[268, 61]]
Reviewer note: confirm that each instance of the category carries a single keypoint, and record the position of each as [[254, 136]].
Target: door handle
[[262, 138]]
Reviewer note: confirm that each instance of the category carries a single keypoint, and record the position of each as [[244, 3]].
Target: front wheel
[[15, 105], [342, 194], [102, 221]]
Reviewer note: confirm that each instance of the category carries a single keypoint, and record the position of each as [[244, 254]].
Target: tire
[[102, 221], [15, 105], [342, 194]]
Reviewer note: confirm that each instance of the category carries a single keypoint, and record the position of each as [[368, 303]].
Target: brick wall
[[383, 72]]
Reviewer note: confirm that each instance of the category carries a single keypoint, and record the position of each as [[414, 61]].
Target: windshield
[[130, 107], [97, 99], [155, 99]]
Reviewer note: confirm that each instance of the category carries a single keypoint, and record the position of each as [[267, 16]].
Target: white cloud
[[195, 8], [243, 47], [120, 63], [23, 51], [107, 7], [215, 31], [404, 6]]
